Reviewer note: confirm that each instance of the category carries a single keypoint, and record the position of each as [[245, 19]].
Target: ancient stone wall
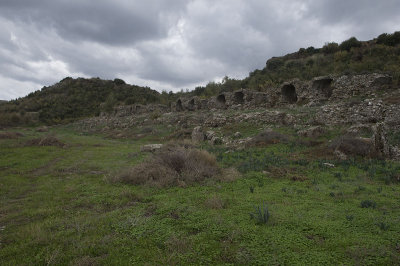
[[295, 92]]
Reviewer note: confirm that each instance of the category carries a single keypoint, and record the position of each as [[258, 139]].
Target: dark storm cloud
[[169, 44], [110, 22]]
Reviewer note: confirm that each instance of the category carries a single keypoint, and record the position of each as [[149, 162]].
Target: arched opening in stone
[[289, 93], [323, 86], [179, 106], [221, 101], [238, 97], [203, 104], [191, 105]]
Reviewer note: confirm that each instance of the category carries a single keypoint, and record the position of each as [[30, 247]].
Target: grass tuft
[[261, 214]]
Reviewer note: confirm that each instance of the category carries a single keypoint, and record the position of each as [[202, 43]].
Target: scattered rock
[[237, 135], [359, 130], [151, 147], [210, 134], [312, 132], [340, 155]]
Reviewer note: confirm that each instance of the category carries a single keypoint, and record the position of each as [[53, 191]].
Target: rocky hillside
[[363, 107], [352, 56]]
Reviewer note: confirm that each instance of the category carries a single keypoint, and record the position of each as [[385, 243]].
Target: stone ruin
[[365, 103], [295, 92]]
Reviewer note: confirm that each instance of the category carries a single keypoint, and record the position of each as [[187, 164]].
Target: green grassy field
[[57, 207]]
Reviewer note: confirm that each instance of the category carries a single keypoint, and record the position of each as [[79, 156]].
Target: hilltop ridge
[[73, 99]]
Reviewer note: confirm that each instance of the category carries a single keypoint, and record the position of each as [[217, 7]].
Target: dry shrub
[[266, 138], [10, 135], [173, 166], [310, 143], [147, 130], [86, 261], [178, 244], [45, 141], [353, 146], [42, 129], [229, 174], [215, 202], [320, 152]]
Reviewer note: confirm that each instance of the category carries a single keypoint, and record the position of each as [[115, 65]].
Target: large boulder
[[198, 134], [353, 146], [381, 145]]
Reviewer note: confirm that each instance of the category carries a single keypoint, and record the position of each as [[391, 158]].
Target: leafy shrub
[[350, 43], [383, 226], [274, 63], [130, 100], [173, 166], [119, 82], [368, 204], [389, 39], [261, 214], [330, 48], [248, 160]]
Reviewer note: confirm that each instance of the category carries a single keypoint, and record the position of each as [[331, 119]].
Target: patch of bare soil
[[10, 135], [45, 141], [45, 168]]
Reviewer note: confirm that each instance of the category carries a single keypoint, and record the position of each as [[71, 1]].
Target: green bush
[[350, 43], [389, 39], [274, 63], [330, 48]]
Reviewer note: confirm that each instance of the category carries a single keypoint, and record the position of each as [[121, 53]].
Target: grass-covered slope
[[58, 207]]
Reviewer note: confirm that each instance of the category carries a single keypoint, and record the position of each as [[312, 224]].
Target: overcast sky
[[169, 45]]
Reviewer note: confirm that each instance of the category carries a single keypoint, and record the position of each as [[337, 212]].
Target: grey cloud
[[169, 44]]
